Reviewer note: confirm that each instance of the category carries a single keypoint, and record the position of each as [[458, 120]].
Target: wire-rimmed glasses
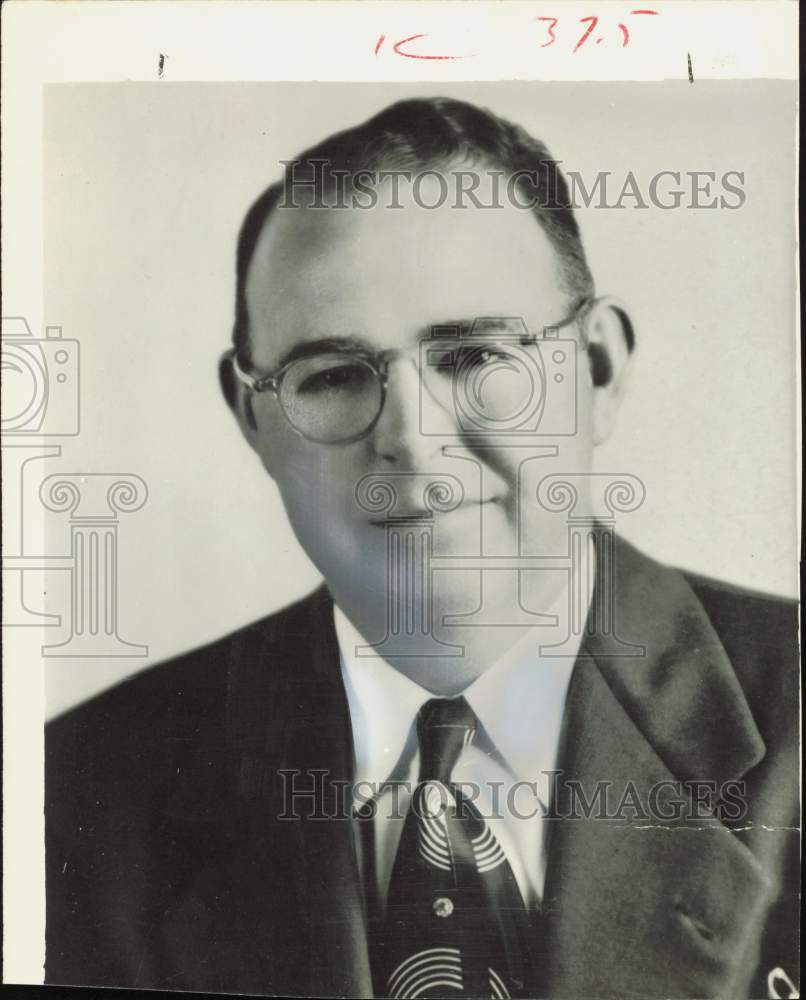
[[336, 395]]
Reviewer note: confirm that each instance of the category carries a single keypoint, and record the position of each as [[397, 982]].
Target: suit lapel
[[286, 734], [637, 904], [321, 741]]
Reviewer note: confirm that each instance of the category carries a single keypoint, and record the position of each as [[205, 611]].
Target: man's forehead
[[404, 268]]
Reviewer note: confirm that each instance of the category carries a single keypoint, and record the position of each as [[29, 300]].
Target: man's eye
[[482, 357], [339, 378]]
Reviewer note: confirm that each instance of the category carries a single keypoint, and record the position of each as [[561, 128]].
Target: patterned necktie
[[455, 924]]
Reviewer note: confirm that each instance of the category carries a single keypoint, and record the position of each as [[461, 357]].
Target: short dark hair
[[424, 133]]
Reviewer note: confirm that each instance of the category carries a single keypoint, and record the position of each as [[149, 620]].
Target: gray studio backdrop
[[145, 186]]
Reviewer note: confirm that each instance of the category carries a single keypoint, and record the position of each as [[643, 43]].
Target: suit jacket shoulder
[[179, 701], [143, 816], [760, 635]]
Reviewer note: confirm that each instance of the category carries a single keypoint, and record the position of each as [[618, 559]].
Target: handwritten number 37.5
[[552, 22]]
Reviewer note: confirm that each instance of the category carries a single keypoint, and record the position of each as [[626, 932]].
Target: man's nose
[[408, 411]]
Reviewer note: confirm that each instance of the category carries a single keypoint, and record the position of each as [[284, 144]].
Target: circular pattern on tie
[[435, 969], [497, 989], [433, 843], [426, 970], [487, 851]]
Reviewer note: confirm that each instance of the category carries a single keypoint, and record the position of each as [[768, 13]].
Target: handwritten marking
[[412, 55], [402, 47], [593, 22], [550, 29]]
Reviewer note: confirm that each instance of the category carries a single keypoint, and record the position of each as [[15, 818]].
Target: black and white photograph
[[401, 518]]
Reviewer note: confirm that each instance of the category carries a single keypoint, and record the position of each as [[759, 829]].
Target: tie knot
[[444, 726]]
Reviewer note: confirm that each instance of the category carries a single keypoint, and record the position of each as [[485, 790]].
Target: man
[[423, 376]]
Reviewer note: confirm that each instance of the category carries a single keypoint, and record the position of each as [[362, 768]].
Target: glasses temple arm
[[252, 382]]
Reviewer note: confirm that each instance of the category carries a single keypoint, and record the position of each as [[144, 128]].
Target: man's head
[[415, 136], [360, 263]]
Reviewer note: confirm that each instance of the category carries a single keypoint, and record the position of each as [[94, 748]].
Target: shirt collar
[[383, 704], [519, 702]]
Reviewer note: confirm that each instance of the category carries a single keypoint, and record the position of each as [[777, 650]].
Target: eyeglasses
[[492, 374]]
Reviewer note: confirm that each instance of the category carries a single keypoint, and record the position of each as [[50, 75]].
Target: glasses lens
[[331, 397], [492, 385]]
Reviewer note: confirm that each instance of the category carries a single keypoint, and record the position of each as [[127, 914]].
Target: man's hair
[[422, 134]]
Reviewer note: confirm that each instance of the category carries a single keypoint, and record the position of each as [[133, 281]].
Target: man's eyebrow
[[324, 345], [510, 325]]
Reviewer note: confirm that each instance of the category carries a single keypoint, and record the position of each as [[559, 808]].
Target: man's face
[[385, 278]]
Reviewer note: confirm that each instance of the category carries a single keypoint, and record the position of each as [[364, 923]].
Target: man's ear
[[610, 340], [239, 399]]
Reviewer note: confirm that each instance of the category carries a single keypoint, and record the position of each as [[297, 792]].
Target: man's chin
[[474, 530]]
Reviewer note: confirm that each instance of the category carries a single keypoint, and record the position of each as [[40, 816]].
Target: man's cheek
[[319, 489], [549, 481]]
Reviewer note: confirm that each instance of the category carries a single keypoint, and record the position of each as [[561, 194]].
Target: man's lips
[[418, 512]]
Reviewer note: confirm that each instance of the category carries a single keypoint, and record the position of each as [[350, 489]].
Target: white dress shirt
[[519, 702]]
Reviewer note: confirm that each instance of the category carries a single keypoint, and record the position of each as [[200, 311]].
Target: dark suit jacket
[[167, 866]]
